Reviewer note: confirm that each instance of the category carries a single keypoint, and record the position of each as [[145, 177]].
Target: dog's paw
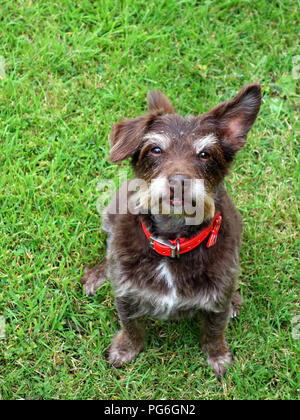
[[121, 352], [93, 278], [118, 357], [220, 364]]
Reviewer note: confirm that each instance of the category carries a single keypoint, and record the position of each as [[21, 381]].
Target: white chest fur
[[173, 302], [165, 305]]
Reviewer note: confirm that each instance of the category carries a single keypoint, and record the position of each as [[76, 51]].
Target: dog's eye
[[156, 151], [204, 155]]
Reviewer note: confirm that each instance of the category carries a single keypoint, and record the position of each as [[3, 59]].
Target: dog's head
[[170, 152]]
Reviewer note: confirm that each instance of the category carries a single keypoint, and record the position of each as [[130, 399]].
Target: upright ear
[[126, 136], [234, 118], [158, 102]]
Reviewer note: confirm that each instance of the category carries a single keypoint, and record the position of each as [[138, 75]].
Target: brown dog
[[177, 263]]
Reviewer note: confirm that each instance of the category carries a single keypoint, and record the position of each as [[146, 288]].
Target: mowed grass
[[69, 71]]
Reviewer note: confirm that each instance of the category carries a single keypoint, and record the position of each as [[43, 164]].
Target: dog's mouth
[[179, 200], [175, 199], [176, 203]]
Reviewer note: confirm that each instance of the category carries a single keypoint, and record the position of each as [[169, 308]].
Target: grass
[[69, 71]]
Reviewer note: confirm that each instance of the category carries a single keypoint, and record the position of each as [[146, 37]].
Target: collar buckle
[[165, 242]]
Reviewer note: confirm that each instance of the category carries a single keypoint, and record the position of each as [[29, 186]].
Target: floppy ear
[[158, 102], [126, 136], [235, 117]]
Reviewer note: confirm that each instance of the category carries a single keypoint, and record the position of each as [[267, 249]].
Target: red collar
[[173, 248]]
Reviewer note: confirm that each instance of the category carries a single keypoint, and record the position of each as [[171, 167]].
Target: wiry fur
[[203, 280]]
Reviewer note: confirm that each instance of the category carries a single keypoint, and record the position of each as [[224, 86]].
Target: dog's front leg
[[128, 343], [213, 341]]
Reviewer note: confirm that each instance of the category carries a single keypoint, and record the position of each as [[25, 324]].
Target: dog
[[160, 265]]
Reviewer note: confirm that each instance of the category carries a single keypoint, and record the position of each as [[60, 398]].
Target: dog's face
[[184, 159]]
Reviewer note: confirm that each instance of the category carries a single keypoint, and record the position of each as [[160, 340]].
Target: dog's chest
[[174, 302], [169, 303]]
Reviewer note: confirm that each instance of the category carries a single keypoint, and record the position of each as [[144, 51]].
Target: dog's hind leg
[[93, 278], [236, 303], [129, 342]]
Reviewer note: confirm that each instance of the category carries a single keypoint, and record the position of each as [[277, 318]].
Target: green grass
[[71, 71]]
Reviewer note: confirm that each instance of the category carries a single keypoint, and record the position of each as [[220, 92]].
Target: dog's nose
[[178, 179]]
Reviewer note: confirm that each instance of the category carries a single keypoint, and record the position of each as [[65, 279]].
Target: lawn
[[68, 71]]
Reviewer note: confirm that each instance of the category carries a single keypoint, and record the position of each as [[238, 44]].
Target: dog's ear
[[234, 118], [125, 138], [159, 103]]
